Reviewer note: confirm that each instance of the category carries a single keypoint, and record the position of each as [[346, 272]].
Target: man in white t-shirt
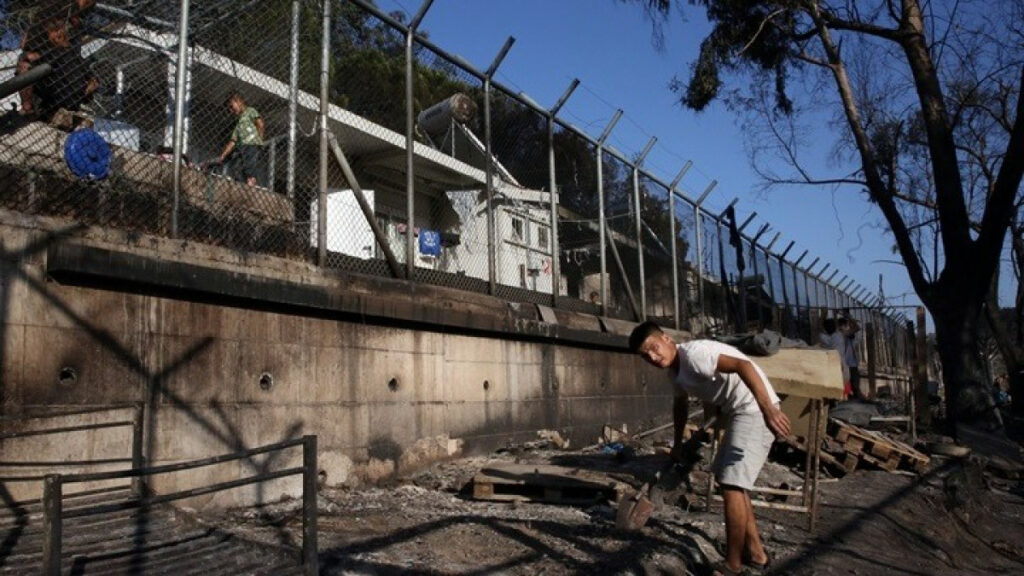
[[724, 379]]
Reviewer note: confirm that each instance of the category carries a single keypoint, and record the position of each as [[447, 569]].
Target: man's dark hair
[[641, 333], [829, 325]]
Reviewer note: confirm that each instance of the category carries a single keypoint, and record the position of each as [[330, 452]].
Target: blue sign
[[430, 242]]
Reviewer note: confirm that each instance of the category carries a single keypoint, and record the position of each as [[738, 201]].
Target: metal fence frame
[[746, 300], [54, 514]]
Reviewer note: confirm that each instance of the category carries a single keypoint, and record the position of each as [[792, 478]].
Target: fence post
[[52, 524], [293, 96], [137, 437], [310, 558], [181, 77], [869, 330], [325, 73]]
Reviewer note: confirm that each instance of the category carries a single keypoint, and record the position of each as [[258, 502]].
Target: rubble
[[959, 517]]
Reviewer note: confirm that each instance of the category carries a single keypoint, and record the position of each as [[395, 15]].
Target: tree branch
[[837, 23], [955, 228], [875, 186], [998, 214], [760, 28]]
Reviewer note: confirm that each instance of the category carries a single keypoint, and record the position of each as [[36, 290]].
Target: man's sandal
[[754, 566], [758, 568], [721, 569]]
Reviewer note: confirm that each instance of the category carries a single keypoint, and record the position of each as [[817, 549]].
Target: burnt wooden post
[[872, 342], [52, 524], [310, 560]]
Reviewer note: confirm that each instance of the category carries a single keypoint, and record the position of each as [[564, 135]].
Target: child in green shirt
[[247, 138]]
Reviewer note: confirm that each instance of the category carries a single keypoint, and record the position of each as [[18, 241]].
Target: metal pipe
[[293, 98], [310, 556], [600, 209], [747, 221], [125, 14], [410, 145], [768, 247], [565, 97], [52, 524], [729, 205], [639, 226], [698, 219], [833, 275], [556, 255], [704, 195], [760, 232], [492, 232], [138, 414], [789, 247], [675, 240], [179, 111], [325, 71], [625, 278], [371, 219], [119, 83], [798, 260], [64, 429]]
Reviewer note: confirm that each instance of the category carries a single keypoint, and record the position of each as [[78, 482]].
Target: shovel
[[636, 507]]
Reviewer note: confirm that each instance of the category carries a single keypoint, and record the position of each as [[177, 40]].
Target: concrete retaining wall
[[385, 396]]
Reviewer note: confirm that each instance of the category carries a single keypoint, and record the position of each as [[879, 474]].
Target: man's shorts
[[743, 450]]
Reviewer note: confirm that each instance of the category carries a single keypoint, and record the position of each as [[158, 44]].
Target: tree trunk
[[967, 394]]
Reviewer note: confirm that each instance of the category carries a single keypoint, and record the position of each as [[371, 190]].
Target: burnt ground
[[961, 517]]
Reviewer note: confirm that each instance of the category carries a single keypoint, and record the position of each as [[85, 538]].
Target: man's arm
[[773, 417], [260, 127]]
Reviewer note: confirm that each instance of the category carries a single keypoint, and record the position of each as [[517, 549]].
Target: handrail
[[63, 429], [73, 412], [165, 468], [180, 495], [138, 411], [54, 515]]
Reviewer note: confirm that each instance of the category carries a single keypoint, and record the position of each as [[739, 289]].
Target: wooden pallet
[[862, 445], [544, 483]]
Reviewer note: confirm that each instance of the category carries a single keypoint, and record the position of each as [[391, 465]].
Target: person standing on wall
[[247, 139], [726, 380]]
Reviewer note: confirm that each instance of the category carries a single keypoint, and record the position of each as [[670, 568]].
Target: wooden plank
[[807, 372], [543, 483]]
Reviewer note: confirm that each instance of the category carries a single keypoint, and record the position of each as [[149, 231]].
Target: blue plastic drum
[[87, 155]]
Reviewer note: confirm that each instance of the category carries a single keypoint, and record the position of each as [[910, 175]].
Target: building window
[[542, 237], [522, 275], [517, 229]]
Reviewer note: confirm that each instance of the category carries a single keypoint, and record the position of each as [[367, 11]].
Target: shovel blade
[[634, 511]]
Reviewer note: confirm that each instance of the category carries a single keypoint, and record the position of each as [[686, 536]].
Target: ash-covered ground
[[961, 517]]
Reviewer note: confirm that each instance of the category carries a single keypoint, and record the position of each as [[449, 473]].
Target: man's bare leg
[[738, 519], [754, 546]]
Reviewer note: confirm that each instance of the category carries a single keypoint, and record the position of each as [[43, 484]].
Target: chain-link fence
[[225, 140]]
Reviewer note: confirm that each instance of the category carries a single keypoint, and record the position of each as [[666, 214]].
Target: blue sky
[[607, 45]]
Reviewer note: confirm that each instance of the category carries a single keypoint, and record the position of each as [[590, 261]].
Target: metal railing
[[54, 515], [509, 198], [135, 423]]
